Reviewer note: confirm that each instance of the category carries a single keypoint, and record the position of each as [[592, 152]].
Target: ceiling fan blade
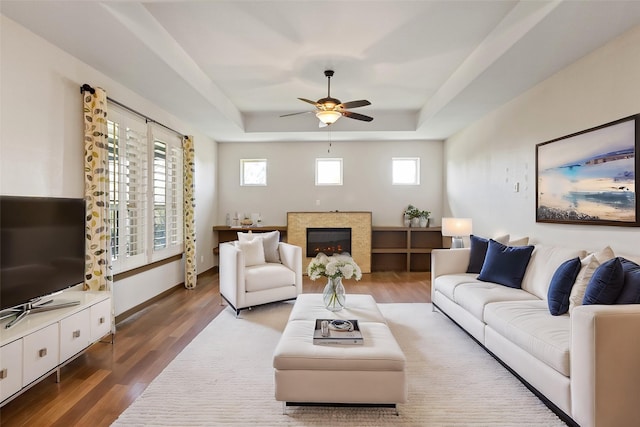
[[357, 116], [314, 103], [295, 114], [355, 104]]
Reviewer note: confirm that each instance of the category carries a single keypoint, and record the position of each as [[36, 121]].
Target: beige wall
[[486, 159], [367, 180]]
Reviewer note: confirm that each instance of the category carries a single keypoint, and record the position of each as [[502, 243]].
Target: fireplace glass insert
[[328, 240]]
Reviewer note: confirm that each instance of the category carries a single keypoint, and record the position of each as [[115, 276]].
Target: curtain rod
[[87, 88]]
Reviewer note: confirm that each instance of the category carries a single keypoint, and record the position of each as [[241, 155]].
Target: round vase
[[334, 294], [415, 222], [424, 222]]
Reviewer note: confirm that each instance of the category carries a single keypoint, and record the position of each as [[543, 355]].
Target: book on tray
[[337, 331]]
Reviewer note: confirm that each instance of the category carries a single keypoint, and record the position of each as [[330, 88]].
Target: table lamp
[[456, 228]]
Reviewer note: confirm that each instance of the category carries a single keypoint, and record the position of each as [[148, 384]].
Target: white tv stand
[[33, 308], [43, 342]]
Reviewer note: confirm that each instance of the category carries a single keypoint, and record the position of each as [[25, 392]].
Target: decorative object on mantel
[[414, 217], [246, 220], [334, 268], [456, 228]]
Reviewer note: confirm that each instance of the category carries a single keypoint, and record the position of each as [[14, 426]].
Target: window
[[127, 139], [406, 170], [328, 171], [167, 195], [145, 191], [253, 172]]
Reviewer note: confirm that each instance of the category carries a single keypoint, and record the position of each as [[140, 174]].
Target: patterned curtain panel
[[96, 177], [190, 271]]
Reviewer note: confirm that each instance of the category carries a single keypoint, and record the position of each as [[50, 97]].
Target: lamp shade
[[329, 116], [456, 227]]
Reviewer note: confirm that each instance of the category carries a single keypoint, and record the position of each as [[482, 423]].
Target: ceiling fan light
[[328, 117]]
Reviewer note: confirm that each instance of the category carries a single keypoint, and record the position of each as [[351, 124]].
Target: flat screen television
[[41, 247]]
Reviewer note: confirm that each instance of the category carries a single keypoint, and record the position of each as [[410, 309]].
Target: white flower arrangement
[[337, 265]]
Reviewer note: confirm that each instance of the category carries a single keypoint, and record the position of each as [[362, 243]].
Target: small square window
[[328, 171], [253, 172], [406, 170]]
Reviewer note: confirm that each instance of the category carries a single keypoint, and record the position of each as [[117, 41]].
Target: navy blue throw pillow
[[560, 286], [605, 284], [631, 288], [477, 251], [505, 265]]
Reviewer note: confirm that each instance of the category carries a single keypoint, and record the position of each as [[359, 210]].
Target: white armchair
[[245, 286]]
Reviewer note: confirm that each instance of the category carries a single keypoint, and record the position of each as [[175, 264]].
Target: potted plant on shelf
[[424, 218], [412, 214]]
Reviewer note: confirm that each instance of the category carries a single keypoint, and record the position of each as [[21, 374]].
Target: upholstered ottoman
[[371, 373]]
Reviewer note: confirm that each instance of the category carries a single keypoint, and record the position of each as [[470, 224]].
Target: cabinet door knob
[[3, 374], [42, 352], [76, 334]]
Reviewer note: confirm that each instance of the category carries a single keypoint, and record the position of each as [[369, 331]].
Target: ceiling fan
[[329, 110]]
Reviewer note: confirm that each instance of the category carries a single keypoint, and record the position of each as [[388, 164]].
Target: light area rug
[[225, 377]]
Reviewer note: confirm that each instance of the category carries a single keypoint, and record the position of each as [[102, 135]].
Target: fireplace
[[359, 222], [328, 240]]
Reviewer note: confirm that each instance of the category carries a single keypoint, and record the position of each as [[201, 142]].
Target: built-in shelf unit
[[403, 248]]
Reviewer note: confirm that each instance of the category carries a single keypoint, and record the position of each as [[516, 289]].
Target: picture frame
[[590, 177]]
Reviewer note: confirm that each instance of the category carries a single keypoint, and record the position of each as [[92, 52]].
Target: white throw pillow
[[502, 239], [589, 265], [253, 252], [544, 262], [245, 237], [523, 241]]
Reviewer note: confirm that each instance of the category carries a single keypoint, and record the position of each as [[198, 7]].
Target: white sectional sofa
[[585, 363]]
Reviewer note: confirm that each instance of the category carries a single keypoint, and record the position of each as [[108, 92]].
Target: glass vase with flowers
[[334, 268]]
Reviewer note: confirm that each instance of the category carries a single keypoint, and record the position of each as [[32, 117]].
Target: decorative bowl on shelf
[[246, 222]]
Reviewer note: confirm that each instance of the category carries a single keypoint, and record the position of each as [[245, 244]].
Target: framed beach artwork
[[590, 177]]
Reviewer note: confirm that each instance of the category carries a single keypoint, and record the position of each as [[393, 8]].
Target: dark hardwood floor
[[101, 383]]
